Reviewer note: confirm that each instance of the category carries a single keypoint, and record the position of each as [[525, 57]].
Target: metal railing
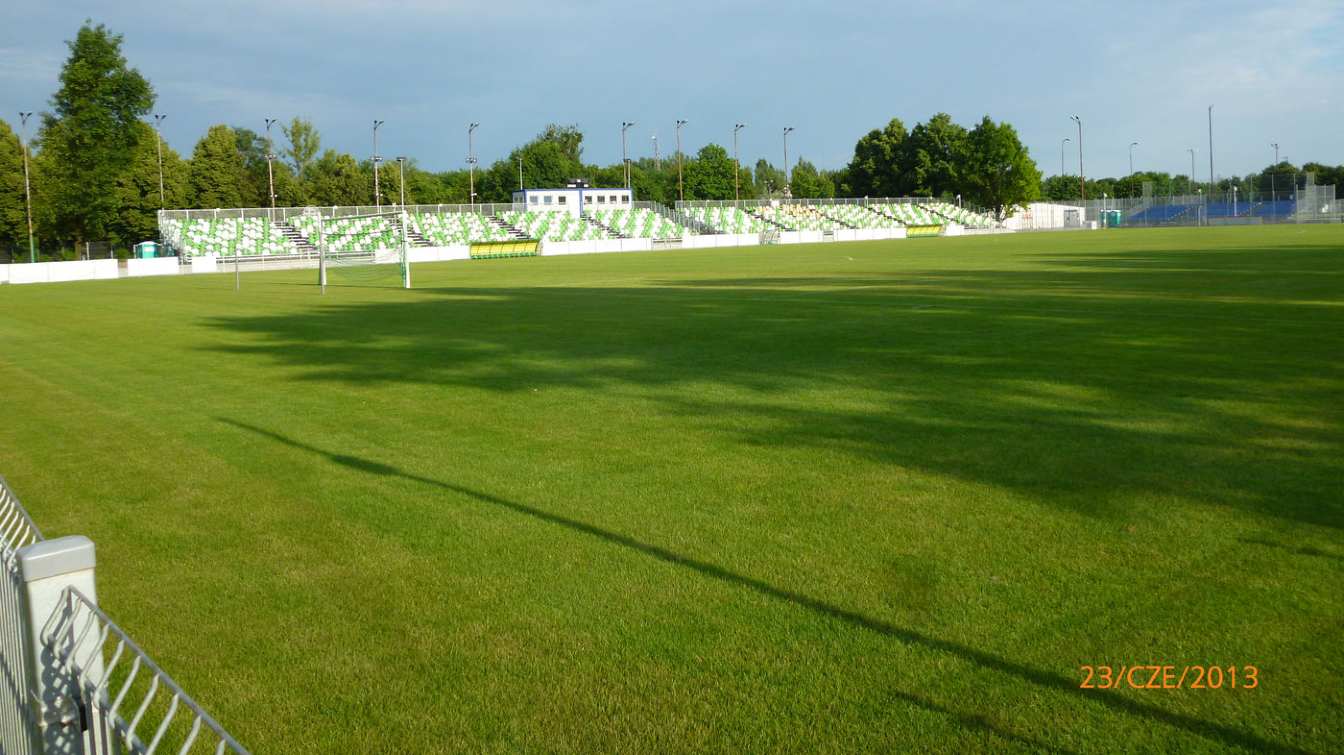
[[77, 636], [282, 214], [1304, 204], [18, 726], [72, 680]]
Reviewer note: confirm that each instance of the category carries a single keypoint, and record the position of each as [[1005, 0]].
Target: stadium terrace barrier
[[155, 266], [4, 273], [58, 272], [595, 246], [74, 683], [801, 237], [869, 234], [438, 253], [721, 239]]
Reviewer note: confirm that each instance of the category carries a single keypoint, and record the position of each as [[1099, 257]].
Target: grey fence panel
[[126, 702], [18, 724], [141, 708]]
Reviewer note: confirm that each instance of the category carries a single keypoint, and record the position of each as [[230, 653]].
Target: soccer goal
[[362, 250]]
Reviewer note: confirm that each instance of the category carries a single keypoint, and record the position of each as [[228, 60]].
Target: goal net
[[362, 250]]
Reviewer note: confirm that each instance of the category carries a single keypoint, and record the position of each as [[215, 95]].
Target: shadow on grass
[[1045, 679], [1079, 385]]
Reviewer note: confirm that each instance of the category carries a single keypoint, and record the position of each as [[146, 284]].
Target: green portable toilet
[[146, 250]]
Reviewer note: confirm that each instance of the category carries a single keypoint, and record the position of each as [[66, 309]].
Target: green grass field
[[847, 497]]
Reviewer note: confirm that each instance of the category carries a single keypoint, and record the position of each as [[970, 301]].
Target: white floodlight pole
[[27, 187], [625, 159], [1272, 171], [737, 164], [787, 130], [1210, 150], [158, 138], [270, 156], [377, 195], [401, 178], [471, 163], [681, 192], [1132, 145], [1061, 154], [1082, 180]]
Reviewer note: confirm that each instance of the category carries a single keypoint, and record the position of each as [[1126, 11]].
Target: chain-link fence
[[20, 252], [1304, 204]]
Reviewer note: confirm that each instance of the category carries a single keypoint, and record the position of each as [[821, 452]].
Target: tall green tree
[[138, 187], [90, 135], [304, 144], [876, 170], [999, 173], [932, 159], [806, 182], [337, 179], [13, 207], [710, 174], [651, 182], [1325, 174], [768, 179], [256, 180], [549, 160], [218, 178]]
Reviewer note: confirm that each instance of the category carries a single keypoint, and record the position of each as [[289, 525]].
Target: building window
[[588, 199], [601, 198], [532, 199], [562, 199], [547, 200], [625, 199]]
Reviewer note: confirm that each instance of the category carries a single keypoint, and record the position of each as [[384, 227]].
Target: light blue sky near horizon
[[1141, 71]]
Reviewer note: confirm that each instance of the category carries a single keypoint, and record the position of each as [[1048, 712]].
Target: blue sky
[[1134, 71]]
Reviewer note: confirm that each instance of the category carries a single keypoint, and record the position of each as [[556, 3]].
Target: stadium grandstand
[[232, 233], [574, 214]]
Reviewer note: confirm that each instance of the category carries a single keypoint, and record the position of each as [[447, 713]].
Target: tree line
[[1278, 180], [95, 165]]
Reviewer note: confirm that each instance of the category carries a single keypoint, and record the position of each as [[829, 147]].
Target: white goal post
[[366, 241]]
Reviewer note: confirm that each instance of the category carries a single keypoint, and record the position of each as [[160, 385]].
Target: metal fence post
[[47, 569]]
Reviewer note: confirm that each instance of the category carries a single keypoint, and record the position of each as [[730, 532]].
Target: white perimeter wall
[[869, 234], [54, 272], [595, 246], [438, 253], [155, 266], [720, 239]]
